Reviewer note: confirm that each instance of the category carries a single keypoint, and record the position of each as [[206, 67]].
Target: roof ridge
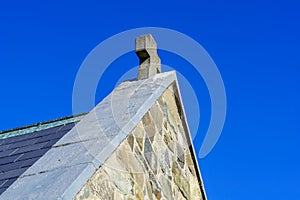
[[40, 126]]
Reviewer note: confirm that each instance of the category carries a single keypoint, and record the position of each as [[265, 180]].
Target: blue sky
[[255, 45]]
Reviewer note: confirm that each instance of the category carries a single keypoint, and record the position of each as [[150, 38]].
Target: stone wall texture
[[153, 162]]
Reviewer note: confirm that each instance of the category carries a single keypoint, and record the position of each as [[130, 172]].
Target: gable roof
[[74, 158], [20, 148]]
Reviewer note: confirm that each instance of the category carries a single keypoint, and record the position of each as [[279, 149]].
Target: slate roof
[[20, 148]]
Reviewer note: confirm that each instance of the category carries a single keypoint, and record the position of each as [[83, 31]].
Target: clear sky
[[255, 45]]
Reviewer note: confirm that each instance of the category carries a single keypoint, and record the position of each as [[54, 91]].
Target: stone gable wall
[[154, 162]]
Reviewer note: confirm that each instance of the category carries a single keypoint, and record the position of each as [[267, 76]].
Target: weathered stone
[[157, 116], [178, 195], [154, 184], [130, 140], [166, 187], [118, 195], [158, 196], [148, 188], [167, 170], [139, 135], [138, 193], [189, 162], [180, 155], [165, 124], [169, 140], [150, 156], [161, 133], [149, 126], [195, 193], [128, 160], [171, 110], [159, 147], [180, 180], [147, 119], [142, 159], [123, 182], [146, 49], [181, 137], [160, 102], [87, 193], [138, 178], [119, 177], [167, 158], [102, 185]]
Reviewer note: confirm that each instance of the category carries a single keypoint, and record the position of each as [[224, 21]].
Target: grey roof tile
[[8, 182], [33, 154], [2, 190], [20, 152], [9, 159], [18, 164], [12, 173]]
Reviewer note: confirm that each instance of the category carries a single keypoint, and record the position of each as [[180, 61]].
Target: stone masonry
[[146, 50], [153, 162]]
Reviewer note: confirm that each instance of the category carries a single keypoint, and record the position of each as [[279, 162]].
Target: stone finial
[[146, 50]]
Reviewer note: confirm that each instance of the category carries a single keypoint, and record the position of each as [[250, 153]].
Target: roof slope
[[80, 152], [22, 147]]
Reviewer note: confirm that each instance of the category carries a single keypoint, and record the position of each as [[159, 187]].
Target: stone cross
[[146, 50]]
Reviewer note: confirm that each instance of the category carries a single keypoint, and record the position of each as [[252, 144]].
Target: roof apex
[[104, 128]]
